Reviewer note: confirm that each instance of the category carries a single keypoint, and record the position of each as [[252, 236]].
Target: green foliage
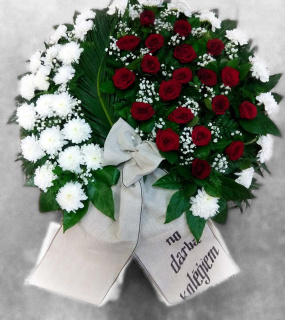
[[168, 181], [48, 202], [72, 218], [222, 216], [231, 190], [195, 224], [178, 204], [108, 175], [170, 156]]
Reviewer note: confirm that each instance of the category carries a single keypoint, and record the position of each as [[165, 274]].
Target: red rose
[[167, 140], [207, 77], [235, 150], [154, 42], [150, 64], [200, 168], [147, 18], [185, 53], [142, 111], [201, 136], [182, 27], [170, 90], [220, 104], [247, 110], [123, 78], [182, 75], [181, 115], [230, 76], [215, 47], [128, 43]]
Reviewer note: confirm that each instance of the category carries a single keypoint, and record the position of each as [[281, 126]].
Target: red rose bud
[[123, 78], [147, 18], [220, 104], [200, 169], [154, 42], [235, 150], [247, 110], [142, 111], [215, 47], [128, 43], [170, 90], [181, 115], [185, 53], [182, 27], [230, 77], [150, 64], [201, 136], [207, 77], [167, 140], [182, 75]]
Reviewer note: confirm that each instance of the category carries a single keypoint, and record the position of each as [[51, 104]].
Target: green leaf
[[108, 87], [109, 175], [222, 216], [193, 123], [185, 172], [244, 70], [213, 191], [220, 145], [245, 164], [168, 181], [134, 65], [230, 190], [212, 66], [261, 124], [101, 195], [195, 224], [233, 63], [170, 156], [278, 98], [273, 80], [189, 189], [71, 218], [48, 202], [30, 182], [177, 205], [148, 125], [202, 152], [208, 104], [195, 22], [225, 25]]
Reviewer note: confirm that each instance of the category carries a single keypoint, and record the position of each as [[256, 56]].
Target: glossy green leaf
[[195, 224], [168, 181], [231, 190], [222, 216], [177, 205], [48, 202], [109, 175], [71, 218]]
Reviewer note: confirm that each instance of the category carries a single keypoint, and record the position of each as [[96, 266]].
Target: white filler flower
[[69, 53], [86, 15], [204, 205], [44, 176], [82, 28], [259, 69], [77, 130], [27, 86], [120, 5], [92, 156], [43, 106], [51, 54], [69, 196], [269, 102], [181, 6], [62, 104], [59, 33], [70, 159], [237, 37], [211, 17], [51, 140], [31, 149], [35, 62], [64, 74], [41, 78], [266, 143], [245, 177], [26, 116]]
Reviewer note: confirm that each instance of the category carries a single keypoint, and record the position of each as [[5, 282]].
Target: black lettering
[[206, 258], [212, 252], [176, 236], [180, 258], [190, 278], [175, 266]]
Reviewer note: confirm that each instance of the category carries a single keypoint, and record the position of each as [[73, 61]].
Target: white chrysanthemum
[[119, 5], [211, 17], [245, 177], [237, 37], [266, 143], [62, 104], [92, 156], [204, 205], [44, 176], [151, 3], [69, 196], [271, 106], [70, 159], [51, 140], [41, 78], [35, 62], [69, 53], [81, 29], [63, 75], [43, 106], [259, 69], [26, 116], [31, 149], [59, 33], [77, 130], [27, 86], [86, 15], [51, 54], [181, 6]]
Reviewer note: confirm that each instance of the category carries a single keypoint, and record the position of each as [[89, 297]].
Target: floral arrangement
[[186, 81]]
